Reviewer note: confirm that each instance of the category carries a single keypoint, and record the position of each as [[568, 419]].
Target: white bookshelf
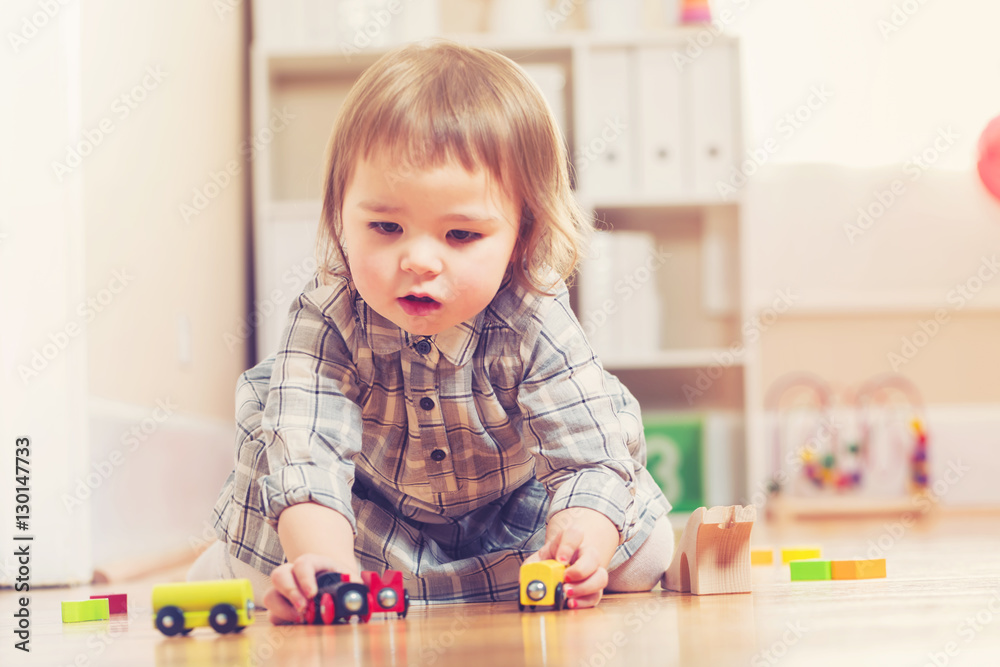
[[676, 143]]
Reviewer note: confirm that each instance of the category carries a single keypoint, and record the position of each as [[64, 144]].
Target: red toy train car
[[338, 598]]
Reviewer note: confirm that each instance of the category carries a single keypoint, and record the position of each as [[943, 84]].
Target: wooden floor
[[940, 605]]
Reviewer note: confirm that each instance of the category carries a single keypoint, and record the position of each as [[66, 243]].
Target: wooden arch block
[[713, 554]]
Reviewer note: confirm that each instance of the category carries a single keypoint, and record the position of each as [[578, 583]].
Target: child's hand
[[586, 540], [293, 585]]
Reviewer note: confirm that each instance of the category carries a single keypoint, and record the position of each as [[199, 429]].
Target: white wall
[[115, 113], [43, 373]]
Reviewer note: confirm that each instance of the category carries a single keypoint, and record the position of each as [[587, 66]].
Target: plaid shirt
[[437, 428]]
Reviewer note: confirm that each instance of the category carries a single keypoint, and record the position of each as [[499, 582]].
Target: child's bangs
[[422, 134]]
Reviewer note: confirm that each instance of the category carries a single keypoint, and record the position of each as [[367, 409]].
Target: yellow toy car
[[225, 604], [541, 585]]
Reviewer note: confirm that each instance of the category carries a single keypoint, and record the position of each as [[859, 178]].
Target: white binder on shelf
[[713, 126], [619, 303], [661, 163], [605, 142]]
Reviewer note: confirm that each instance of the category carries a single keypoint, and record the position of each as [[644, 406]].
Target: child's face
[[427, 249]]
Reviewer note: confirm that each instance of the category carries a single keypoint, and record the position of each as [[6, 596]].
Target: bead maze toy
[[866, 455], [713, 553]]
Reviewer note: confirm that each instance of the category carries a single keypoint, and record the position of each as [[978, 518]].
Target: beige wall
[[190, 124], [958, 364]]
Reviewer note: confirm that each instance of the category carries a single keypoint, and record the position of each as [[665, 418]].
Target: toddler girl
[[434, 406]]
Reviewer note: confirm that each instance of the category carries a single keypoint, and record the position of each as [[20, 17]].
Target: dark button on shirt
[[438, 455], [423, 346], [426, 403]]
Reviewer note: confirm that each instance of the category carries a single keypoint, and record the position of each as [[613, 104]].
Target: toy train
[[541, 586], [338, 598], [227, 605]]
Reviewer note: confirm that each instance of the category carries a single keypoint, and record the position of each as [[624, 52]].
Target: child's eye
[[384, 227], [464, 236]]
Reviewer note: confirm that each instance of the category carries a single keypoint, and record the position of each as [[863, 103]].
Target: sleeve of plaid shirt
[[569, 420], [311, 426]]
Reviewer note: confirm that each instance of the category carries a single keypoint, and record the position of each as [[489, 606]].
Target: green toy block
[[674, 458], [85, 610], [811, 570]]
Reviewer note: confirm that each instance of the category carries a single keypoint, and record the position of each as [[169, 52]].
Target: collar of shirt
[[457, 344]]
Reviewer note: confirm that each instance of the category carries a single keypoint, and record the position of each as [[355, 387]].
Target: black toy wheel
[[520, 605], [560, 602], [223, 618], [406, 605], [170, 621]]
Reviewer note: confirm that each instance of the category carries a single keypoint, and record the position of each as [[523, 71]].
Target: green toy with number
[[674, 458]]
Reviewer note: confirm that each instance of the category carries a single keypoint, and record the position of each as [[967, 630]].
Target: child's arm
[[571, 425], [311, 430], [315, 539]]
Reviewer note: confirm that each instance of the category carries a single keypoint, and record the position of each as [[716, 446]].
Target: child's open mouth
[[418, 305]]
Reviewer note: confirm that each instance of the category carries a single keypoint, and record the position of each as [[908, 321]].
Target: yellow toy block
[[541, 585], [85, 610], [858, 569], [799, 553], [762, 557]]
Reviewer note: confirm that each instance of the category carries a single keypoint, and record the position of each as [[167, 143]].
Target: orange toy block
[[762, 557], [858, 569], [713, 554]]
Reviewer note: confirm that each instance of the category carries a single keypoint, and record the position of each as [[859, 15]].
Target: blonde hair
[[433, 102]]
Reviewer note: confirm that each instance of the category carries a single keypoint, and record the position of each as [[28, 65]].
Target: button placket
[[433, 435]]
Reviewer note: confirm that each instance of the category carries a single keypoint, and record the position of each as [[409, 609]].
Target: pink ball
[[989, 157]]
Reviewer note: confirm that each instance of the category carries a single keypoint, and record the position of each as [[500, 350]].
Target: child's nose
[[421, 257]]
